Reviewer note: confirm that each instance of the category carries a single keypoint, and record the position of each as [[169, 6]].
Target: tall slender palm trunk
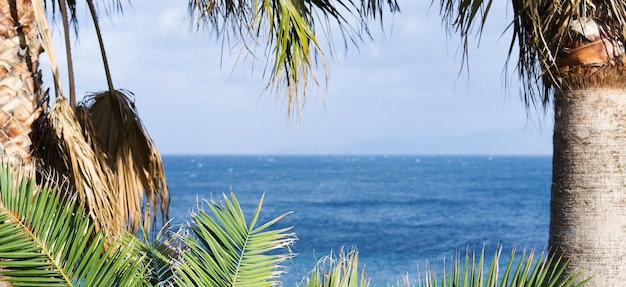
[[20, 81], [588, 206]]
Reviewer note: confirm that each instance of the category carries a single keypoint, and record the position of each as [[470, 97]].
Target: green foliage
[[528, 270], [48, 240], [342, 271], [228, 251], [287, 31], [162, 255]]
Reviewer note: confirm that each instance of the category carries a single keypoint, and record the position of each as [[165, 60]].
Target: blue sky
[[400, 93]]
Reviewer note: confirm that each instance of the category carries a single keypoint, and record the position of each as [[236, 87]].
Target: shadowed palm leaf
[[163, 254], [228, 251], [47, 240]]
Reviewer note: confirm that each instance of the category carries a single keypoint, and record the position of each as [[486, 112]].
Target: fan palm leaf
[[226, 250], [132, 156], [46, 239], [120, 162], [63, 146]]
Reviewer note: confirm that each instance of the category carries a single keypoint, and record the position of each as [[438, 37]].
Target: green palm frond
[[47, 240], [541, 32], [286, 29], [163, 254], [226, 250], [342, 271], [528, 270], [132, 156]]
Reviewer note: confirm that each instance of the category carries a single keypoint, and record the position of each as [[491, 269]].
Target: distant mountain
[[512, 142]]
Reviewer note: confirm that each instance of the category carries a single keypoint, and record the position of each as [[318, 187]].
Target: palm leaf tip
[[340, 270], [288, 29], [227, 250], [521, 268]]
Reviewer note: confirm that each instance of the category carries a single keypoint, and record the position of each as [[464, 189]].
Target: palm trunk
[[588, 205], [20, 79]]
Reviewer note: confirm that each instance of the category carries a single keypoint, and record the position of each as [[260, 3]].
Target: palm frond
[[163, 254], [110, 7], [542, 33], [134, 159], [286, 29], [226, 250], [46, 239], [340, 271], [63, 146], [528, 270]]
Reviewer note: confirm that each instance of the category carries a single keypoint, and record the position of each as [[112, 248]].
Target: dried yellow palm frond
[[63, 147], [132, 157]]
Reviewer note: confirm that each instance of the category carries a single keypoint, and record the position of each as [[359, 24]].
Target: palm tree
[[112, 164], [100, 143], [92, 152], [571, 57]]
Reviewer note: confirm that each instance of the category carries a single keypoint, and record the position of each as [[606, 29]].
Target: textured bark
[[588, 205], [20, 79]]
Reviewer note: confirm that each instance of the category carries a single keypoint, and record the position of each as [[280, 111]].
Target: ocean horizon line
[[365, 154]]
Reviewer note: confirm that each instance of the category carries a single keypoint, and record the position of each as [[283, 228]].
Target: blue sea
[[399, 211]]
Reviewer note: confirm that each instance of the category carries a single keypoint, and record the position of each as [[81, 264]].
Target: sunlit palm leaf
[[228, 251], [528, 270], [341, 271], [47, 240], [286, 29], [132, 156], [63, 146]]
